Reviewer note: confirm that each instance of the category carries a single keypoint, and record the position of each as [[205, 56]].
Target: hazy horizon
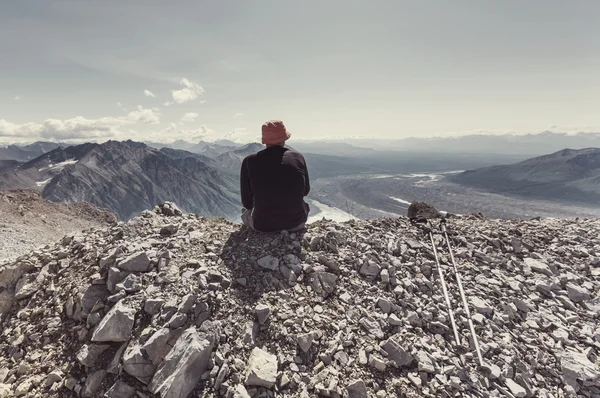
[[147, 71]]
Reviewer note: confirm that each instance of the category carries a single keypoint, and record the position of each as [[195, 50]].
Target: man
[[274, 183]]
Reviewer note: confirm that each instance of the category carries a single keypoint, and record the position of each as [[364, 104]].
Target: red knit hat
[[274, 132]]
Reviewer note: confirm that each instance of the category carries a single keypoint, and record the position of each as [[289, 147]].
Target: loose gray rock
[[136, 364], [262, 313], [269, 262], [424, 362], [182, 369], [576, 293], [93, 383], [515, 389], [305, 341], [116, 325], [137, 262], [396, 353], [261, 369], [357, 389], [153, 306], [120, 390], [88, 354], [538, 266]]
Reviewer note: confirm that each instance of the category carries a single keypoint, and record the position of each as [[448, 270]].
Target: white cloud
[[189, 92], [189, 117], [170, 128], [120, 105], [56, 129], [168, 103], [78, 128], [17, 98], [238, 115], [143, 115], [149, 93]]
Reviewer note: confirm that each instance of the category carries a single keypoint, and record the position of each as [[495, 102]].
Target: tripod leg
[[463, 296], [444, 289]]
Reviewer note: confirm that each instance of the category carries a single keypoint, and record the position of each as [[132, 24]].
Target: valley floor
[[369, 196]]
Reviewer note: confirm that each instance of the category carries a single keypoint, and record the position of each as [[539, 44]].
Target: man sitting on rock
[[274, 183]]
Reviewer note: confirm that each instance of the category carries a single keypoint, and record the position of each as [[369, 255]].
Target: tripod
[[428, 229]]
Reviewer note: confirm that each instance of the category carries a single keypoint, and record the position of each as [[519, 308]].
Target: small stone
[[169, 229], [137, 262], [357, 389], [120, 390], [153, 306], [305, 341], [576, 293], [538, 266], [261, 369], [136, 364], [262, 313], [23, 388], [394, 320], [396, 353], [178, 321], [370, 270], [88, 354], [425, 364], [116, 324], [93, 383], [415, 379], [515, 389], [481, 306], [184, 366], [371, 325], [385, 305], [269, 262], [53, 377], [377, 363], [131, 284]]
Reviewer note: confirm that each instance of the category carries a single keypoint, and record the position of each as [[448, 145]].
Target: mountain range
[[27, 152], [128, 177], [527, 145], [570, 176]]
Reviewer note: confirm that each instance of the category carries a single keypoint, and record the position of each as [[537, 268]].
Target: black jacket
[[274, 183]]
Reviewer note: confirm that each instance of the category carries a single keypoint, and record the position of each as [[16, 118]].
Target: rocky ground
[[170, 305], [27, 221]]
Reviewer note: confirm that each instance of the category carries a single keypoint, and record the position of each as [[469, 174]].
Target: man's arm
[[245, 188], [306, 179]]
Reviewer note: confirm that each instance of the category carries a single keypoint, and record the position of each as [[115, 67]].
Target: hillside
[[128, 177], [23, 153], [233, 159], [571, 176], [185, 306], [28, 222]]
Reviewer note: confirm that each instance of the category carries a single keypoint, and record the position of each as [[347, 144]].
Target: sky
[[160, 71]]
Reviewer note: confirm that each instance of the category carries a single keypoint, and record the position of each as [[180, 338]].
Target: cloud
[[189, 117], [149, 93], [143, 115], [238, 115], [56, 129], [189, 92], [17, 98], [79, 128], [120, 105]]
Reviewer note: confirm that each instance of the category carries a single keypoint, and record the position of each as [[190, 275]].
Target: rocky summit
[[176, 305]]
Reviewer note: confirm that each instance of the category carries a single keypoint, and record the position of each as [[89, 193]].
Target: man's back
[[274, 182]]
